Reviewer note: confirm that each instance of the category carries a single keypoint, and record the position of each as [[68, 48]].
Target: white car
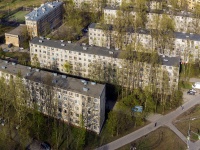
[[196, 85], [193, 90]]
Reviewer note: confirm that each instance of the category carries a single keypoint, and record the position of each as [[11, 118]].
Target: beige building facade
[[77, 101], [185, 45], [15, 36], [44, 19], [183, 21], [98, 63]]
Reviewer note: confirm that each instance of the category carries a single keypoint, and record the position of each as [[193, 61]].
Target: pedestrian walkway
[[173, 128], [165, 120]]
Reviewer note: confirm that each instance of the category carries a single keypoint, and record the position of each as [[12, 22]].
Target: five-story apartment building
[[104, 64], [183, 21], [44, 19], [186, 45], [77, 101]]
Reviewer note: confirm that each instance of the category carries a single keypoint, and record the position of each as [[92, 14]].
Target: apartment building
[[70, 99], [184, 21], [150, 4], [104, 64], [44, 19], [185, 45], [91, 5]]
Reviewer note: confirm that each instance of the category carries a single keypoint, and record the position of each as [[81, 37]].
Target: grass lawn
[[93, 140], [19, 16], [161, 139], [13, 4], [192, 117], [17, 55]]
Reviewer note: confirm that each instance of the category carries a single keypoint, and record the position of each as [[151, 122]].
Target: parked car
[[10, 45], [21, 48], [193, 90], [38, 145], [190, 92], [85, 30], [2, 121], [5, 50], [78, 37], [45, 146]]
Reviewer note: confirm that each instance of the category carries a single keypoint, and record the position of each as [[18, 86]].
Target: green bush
[[185, 85]]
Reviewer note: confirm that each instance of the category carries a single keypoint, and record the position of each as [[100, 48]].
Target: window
[[96, 106], [65, 105], [77, 95], [77, 115], [70, 93], [89, 99]]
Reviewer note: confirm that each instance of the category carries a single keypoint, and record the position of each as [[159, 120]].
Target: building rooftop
[[178, 35], [102, 51], [43, 10], [77, 47], [181, 13], [18, 30], [57, 80]]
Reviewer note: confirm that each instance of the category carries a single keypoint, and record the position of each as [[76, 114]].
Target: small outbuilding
[[16, 36]]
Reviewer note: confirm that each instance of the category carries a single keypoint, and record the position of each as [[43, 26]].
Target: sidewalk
[[165, 120]]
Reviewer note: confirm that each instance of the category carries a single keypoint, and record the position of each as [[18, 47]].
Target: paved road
[[165, 120]]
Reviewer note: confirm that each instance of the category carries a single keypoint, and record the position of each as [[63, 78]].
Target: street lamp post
[[189, 130]]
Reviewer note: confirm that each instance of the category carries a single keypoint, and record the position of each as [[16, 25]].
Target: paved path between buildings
[[194, 80], [165, 120]]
